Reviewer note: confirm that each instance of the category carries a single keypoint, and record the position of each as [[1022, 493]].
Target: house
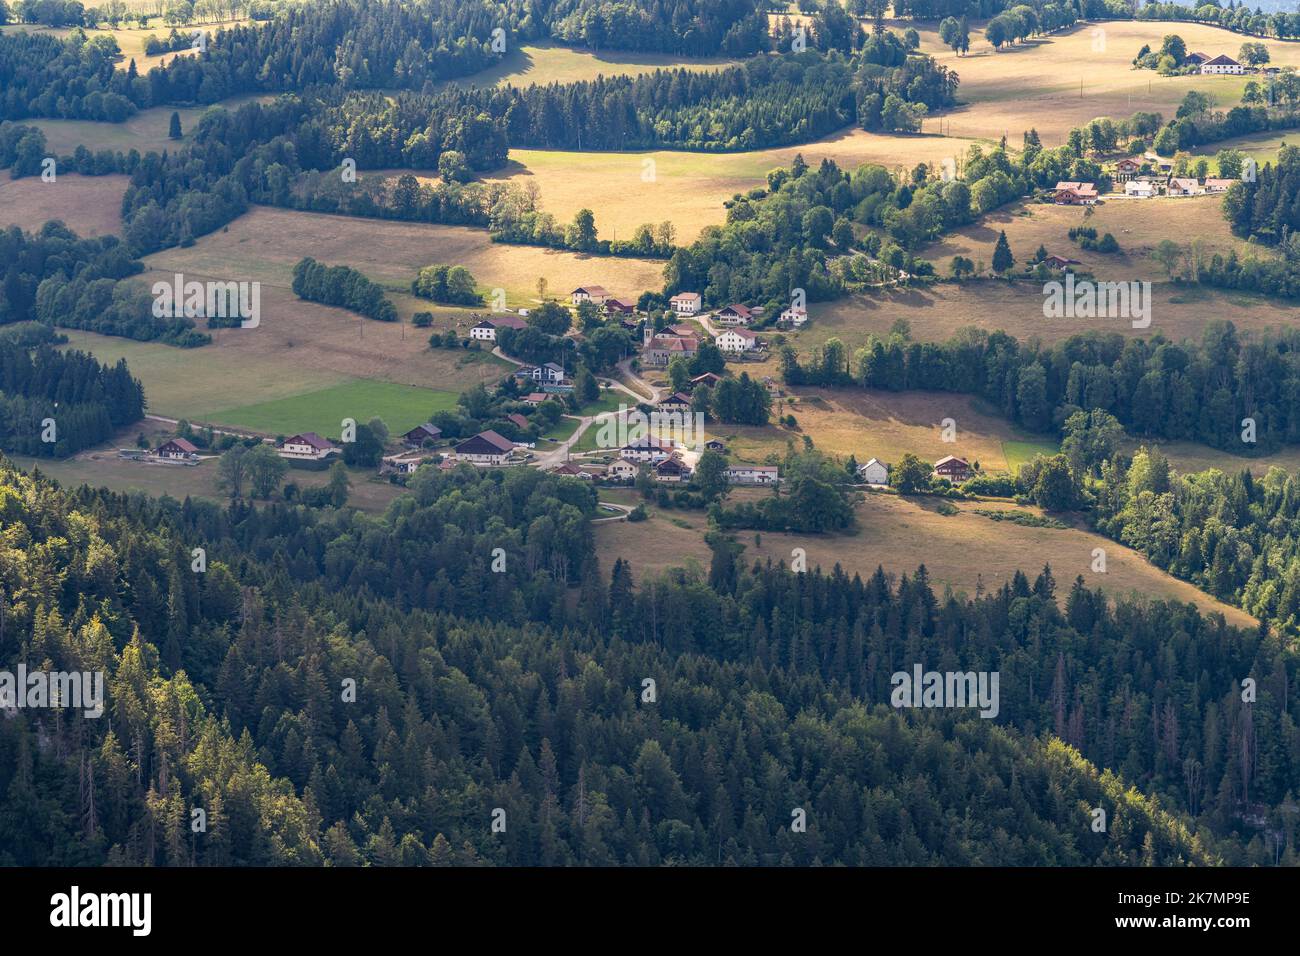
[[620, 306], [752, 474], [662, 349], [874, 472], [1140, 189], [1196, 59], [714, 445], [534, 398], [1183, 186], [672, 470], [710, 379], [683, 329], [676, 402], [1222, 64], [548, 374], [686, 303], [737, 340], [568, 470], [733, 315], [177, 448], [1218, 185], [953, 468], [794, 317], [514, 418], [406, 463], [420, 434], [590, 293], [486, 331], [1127, 168], [622, 470], [1074, 194], [645, 449], [308, 447], [485, 448], [1059, 262]]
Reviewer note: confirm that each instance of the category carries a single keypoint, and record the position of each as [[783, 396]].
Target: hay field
[[145, 132], [89, 205], [549, 62], [963, 550]]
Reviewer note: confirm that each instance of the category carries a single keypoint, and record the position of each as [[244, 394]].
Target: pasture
[[144, 132], [88, 205], [547, 62], [963, 551], [131, 39], [402, 407]]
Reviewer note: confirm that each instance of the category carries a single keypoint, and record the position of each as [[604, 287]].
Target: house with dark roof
[[486, 331], [1221, 65], [733, 315], [420, 434], [590, 293], [307, 446], [953, 468], [177, 449], [485, 448]]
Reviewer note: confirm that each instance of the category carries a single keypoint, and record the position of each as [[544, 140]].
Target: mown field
[[402, 407], [145, 132], [964, 550], [548, 62], [89, 205]]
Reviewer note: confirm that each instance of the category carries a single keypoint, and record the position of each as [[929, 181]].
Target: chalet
[[420, 434], [1218, 185], [737, 340], [672, 470], [568, 470], [590, 293], [1074, 194], [733, 315], [795, 317], [710, 379], [620, 306], [514, 418], [534, 398], [874, 472], [662, 349], [1140, 189], [622, 470], [676, 402], [714, 445], [686, 303], [548, 374], [486, 331], [953, 468], [406, 463], [1059, 262], [645, 449], [752, 474], [1183, 186], [177, 448], [1196, 59], [307, 447], [1127, 168], [485, 448], [1222, 64]]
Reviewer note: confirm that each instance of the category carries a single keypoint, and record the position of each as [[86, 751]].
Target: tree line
[[342, 286]]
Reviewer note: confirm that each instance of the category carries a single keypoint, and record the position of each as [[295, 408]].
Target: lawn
[[401, 407], [1018, 453]]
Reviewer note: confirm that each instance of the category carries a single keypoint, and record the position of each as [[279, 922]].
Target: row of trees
[[342, 286]]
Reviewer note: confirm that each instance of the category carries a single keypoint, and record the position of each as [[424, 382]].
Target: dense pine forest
[[228, 690]]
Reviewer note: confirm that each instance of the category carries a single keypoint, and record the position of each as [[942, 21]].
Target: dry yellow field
[[89, 205], [552, 63], [961, 551], [145, 132]]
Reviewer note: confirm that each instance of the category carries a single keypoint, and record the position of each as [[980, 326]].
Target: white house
[[485, 448], [308, 447], [178, 449], [736, 340], [590, 293], [752, 474], [686, 303], [486, 331], [1140, 189], [874, 472], [1222, 64], [733, 315], [623, 470], [645, 449], [548, 374], [1218, 185], [794, 316], [1183, 186]]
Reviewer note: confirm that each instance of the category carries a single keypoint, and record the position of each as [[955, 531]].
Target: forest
[[477, 691]]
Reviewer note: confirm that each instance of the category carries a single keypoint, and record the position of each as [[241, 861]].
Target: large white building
[[1222, 64]]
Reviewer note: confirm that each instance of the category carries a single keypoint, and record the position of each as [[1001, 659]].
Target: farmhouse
[[1127, 168], [622, 470], [794, 317], [1059, 262], [710, 379], [672, 470], [676, 402], [177, 448], [1196, 59], [874, 472], [569, 470], [953, 468], [514, 418], [1140, 189], [307, 446], [1222, 64], [485, 448], [620, 306], [590, 293], [1218, 185], [486, 331], [645, 449], [733, 315], [737, 340], [1183, 186], [661, 350], [534, 398], [420, 434], [686, 303], [752, 474], [406, 463], [1075, 194]]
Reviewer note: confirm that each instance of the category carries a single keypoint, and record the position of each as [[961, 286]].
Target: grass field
[[145, 132], [402, 407], [961, 551], [89, 205], [544, 63], [131, 40]]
